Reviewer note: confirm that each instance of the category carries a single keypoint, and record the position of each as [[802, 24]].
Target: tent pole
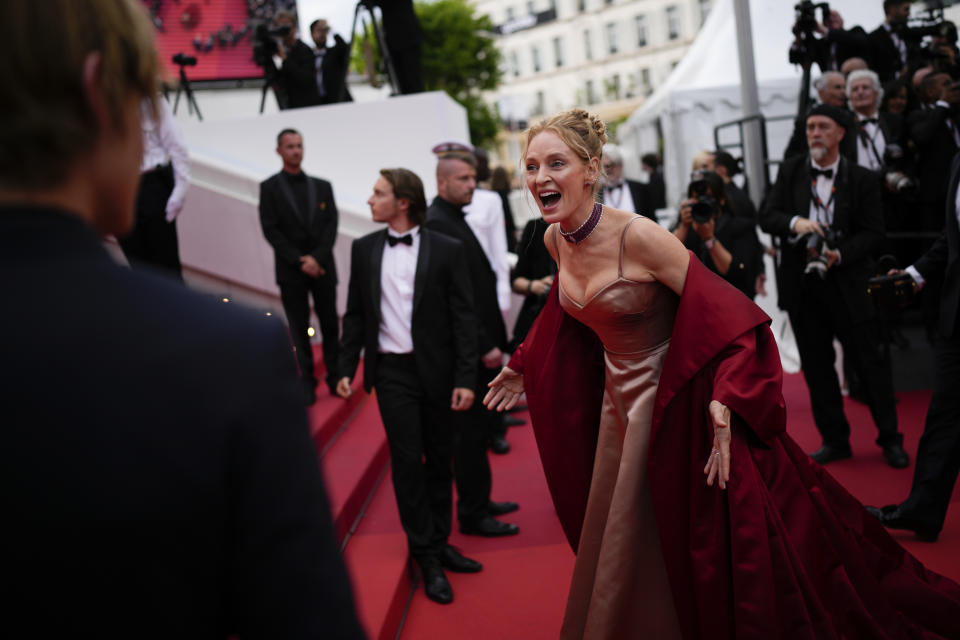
[[752, 146]]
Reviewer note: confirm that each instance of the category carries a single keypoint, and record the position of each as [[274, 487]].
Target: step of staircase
[[376, 556]]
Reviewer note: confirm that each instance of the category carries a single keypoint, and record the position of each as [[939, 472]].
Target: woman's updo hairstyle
[[584, 133]]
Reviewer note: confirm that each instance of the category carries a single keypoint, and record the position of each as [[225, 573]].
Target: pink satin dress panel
[[619, 587]]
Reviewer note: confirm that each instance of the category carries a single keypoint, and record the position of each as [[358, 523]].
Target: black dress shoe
[[830, 453], [489, 527], [453, 560], [500, 445], [501, 508], [510, 421], [896, 457], [436, 586], [892, 517]]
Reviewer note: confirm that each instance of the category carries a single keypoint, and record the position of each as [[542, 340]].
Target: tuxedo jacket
[[298, 77], [448, 219], [941, 259], [159, 479], [334, 68], [928, 129], [884, 54], [294, 233], [443, 326], [845, 43], [642, 202], [857, 215]]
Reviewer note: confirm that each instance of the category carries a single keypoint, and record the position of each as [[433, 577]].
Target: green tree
[[459, 58]]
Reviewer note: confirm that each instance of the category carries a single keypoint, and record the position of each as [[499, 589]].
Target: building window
[[591, 96], [539, 105], [612, 37], [587, 47], [704, 11], [553, 5], [510, 14], [609, 1], [582, 5], [645, 81], [641, 31], [515, 63], [673, 23], [558, 51], [530, 9], [536, 59], [613, 88]]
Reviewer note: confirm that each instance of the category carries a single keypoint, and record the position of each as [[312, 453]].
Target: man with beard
[[823, 284]]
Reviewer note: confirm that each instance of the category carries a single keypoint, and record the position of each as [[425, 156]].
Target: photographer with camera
[[826, 211], [718, 238], [330, 63], [836, 44], [295, 82], [888, 48]]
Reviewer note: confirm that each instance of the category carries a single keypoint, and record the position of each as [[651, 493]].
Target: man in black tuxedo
[[159, 480], [656, 187], [456, 181], [410, 310], [297, 75], [330, 64], [938, 456], [299, 219], [812, 195], [873, 130], [888, 51], [936, 135], [623, 193], [837, 45]]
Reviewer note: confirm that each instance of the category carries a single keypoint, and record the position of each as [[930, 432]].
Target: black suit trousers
[[420, 437], [470, 462], [152, 243], [938, 456], [294, 295], [821, 316]]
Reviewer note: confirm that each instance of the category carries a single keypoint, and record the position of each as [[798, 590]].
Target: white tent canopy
[[704, 90]]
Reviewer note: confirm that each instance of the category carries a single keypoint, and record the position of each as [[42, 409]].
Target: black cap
[[836, 114]]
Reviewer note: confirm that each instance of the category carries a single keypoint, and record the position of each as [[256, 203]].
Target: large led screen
[[218, 33]]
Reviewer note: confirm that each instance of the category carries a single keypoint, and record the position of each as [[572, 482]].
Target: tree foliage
[[459, 57]]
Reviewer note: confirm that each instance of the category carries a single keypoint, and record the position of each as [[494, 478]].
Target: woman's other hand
[[718, 466], [505, 390]]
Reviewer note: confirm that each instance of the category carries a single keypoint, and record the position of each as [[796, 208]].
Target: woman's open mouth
[[549, 199]]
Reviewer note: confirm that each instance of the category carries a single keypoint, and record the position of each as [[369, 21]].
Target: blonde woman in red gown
[[654, 388]]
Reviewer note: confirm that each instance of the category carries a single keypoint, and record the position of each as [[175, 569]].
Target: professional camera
[[815, 245], [184, 60], [706, 207], [267, 40], [805, 28], [894, 175]]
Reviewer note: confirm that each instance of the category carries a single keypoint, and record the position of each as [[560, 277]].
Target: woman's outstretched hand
[[718, 466], [505, 390]]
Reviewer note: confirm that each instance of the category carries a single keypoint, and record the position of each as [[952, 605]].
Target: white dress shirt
[[162, 144], [484, 215], [620, 197], [397, 273], [874, 140], [824, 186]]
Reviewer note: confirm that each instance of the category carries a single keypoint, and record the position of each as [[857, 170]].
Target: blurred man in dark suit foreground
[[158, 476]]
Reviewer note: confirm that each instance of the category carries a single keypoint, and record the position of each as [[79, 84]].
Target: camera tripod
[[184, 87], [381, 44]]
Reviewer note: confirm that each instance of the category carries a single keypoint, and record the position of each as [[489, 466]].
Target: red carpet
[[521, 593]]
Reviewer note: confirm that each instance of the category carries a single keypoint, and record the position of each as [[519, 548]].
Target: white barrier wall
[[347, 144]]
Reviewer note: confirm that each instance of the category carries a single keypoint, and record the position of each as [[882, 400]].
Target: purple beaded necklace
[[580, 234]]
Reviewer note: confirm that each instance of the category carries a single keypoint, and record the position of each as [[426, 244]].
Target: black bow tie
[[407, 240], [614, 186], [867, 121], [826, 173]]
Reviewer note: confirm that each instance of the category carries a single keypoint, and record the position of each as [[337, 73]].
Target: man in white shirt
[[410, 308], [619, 192], [165, 176]]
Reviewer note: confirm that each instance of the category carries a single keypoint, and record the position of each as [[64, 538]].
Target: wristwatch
[[709, 243]]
